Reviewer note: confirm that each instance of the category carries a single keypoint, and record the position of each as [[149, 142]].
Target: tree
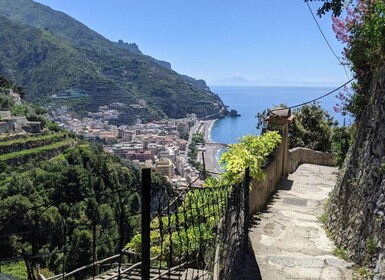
[[342, 138], [330, 5], [311, 128]]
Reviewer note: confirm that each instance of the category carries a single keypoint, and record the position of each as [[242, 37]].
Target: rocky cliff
[[357, 205]]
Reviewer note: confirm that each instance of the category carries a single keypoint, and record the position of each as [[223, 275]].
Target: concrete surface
[[289, 240]]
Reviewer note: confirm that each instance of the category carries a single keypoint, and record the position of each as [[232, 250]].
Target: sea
[[249, 100]]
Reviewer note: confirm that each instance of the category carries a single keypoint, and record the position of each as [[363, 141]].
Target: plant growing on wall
[[251, 152]]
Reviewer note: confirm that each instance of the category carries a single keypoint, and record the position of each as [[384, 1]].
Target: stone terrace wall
[[261, 192], [298, 156]]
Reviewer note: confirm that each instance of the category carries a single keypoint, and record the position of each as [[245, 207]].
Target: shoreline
[[209, 130], [212, 150]]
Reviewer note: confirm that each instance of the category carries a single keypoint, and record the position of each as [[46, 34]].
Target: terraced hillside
[[48, 52], [27, 150]]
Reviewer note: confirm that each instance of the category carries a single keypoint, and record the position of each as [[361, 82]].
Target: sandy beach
[[211, 149]]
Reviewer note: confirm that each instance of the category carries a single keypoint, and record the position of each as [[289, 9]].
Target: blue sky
[[248, 42]]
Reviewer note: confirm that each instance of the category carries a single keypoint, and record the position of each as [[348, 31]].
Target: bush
[[311, 128]]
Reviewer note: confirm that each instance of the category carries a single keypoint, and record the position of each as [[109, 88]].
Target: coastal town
[[161, 145]]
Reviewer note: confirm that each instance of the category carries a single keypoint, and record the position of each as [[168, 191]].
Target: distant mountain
[[49, 52]]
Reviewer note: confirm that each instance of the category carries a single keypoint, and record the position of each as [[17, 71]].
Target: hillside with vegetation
[[355, 210], [48, 52], [58, 195]]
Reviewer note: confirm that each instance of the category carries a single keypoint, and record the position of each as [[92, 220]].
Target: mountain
[[50, 53]]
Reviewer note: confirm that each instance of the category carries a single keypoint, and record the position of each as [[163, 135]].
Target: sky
[[227, 42]]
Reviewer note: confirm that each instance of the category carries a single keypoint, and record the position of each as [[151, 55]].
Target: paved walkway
[[289, 241]]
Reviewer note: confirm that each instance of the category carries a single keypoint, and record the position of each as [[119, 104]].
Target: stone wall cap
[[282, 112]]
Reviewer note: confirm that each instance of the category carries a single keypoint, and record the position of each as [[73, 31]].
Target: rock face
[[356, 210]]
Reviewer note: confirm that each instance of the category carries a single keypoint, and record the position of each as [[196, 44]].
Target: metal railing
[[140, 229]]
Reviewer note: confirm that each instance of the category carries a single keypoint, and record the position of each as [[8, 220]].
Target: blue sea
[[248, 101]]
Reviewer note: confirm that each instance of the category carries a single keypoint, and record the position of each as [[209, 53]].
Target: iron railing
[[144, 230]]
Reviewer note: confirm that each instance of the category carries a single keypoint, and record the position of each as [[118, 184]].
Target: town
[[161, 145]]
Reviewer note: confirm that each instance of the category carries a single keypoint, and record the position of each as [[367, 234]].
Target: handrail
[[91, 265], [169, 270]]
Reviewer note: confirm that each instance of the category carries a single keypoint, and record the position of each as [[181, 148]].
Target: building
[[182, 144], [141, 156], [165, 167], [182, 128]]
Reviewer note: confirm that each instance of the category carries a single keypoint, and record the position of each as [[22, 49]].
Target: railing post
[[146, 213], [246, 193]]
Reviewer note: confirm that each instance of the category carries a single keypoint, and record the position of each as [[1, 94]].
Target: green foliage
[[184, 136], [19, 110], [362, 273], [16, 269], [251, 152], [330, 5], [366, 51], [36, 151], [323, 218], [48, 56], [371, 246], [5, 83], [340, 253], [195, 219], [342, 138], [311, 128], [73, 184], [6, 102], [196, 139]]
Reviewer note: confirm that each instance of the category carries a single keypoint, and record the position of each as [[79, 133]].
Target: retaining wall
[[298, 156], [261, 192]]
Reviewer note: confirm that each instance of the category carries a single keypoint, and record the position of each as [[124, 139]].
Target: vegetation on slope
[[66, 211], [48, 56]]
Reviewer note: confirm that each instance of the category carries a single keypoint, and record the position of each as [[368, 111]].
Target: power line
[[318, 98], [326, 40]]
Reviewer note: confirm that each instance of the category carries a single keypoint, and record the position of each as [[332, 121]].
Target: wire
[[326, 40], [323, 35], [318, 98]]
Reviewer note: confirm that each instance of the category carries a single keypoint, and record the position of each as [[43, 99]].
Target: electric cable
[[327, 42], [315, 99]]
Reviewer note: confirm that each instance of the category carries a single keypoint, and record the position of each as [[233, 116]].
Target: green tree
[[311, 128], [342, 138], [330, 5]]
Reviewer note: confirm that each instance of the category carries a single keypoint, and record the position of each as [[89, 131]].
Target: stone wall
[[356, 212], [5, 115], [261, 192], [299, 155]]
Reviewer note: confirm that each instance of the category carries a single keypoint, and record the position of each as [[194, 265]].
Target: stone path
[[289, 241]]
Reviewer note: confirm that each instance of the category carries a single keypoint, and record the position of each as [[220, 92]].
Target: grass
[[362, 273], [340, 253], [16, 269], [323, 218]]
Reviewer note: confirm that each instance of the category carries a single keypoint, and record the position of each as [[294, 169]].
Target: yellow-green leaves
[[251, 152]]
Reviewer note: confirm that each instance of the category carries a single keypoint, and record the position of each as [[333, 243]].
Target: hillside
[[48, 52], [55, 185]]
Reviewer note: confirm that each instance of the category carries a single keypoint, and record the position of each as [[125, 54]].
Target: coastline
[[212, 149]]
